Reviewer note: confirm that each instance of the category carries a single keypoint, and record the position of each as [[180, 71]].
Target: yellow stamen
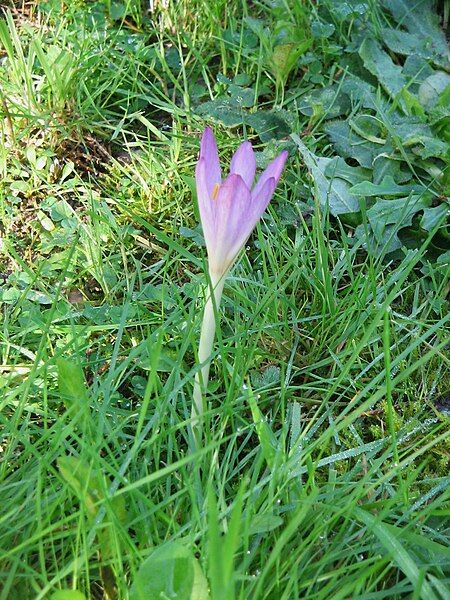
[[215, 191]]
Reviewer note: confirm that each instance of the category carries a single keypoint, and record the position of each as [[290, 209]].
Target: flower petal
[[250, 216], [273, 170], [232, 206], [208, 152], [243, 163], [256, 208], [206, 205]]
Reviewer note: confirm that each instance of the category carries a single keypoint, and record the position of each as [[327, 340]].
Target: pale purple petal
[[232, 205], [255, 209], [243, 163], [208, 152], [273, 170], [206, 205], [228, 210], [260, 202]]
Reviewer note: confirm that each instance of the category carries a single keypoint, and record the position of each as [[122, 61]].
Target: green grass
[[324, 467]]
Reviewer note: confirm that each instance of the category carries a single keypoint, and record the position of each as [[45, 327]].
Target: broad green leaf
[[87, 484], [270, 376], [380, 64], [71, 384], [331, 101], [411, 132], [420, 19], [118, 10], [360, 91], [334, 192], [402, 42], [270, 124], [344, 10], [416, 70], [397, 212], [433, 216], [370, 128], [431, 89], [387, 187], [384, 166], [223, 110], [84, 482], [384, 244], [337, 167], [241, 96], [171, 571], [390, 540], [322, 30], [351, 145]]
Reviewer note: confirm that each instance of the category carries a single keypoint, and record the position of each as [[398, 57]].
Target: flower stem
[[206, 344]]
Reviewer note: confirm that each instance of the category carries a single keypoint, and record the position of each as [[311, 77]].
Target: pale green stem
[[206, 344]]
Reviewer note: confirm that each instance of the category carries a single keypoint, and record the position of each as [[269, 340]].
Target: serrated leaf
[[380, 64], [403, 42], [351, 145], [171, 571], [398, 212], [420, 19], [332, 193], [411, 132], [387, 187]]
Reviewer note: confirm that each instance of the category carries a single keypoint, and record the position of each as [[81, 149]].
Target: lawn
[[319, 468]]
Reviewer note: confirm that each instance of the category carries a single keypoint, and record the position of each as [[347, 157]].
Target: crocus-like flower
[[229, 211]]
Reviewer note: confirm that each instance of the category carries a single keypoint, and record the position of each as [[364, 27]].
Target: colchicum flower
[[229, 211]]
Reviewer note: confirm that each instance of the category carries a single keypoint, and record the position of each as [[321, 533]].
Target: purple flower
[[230, 208]]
